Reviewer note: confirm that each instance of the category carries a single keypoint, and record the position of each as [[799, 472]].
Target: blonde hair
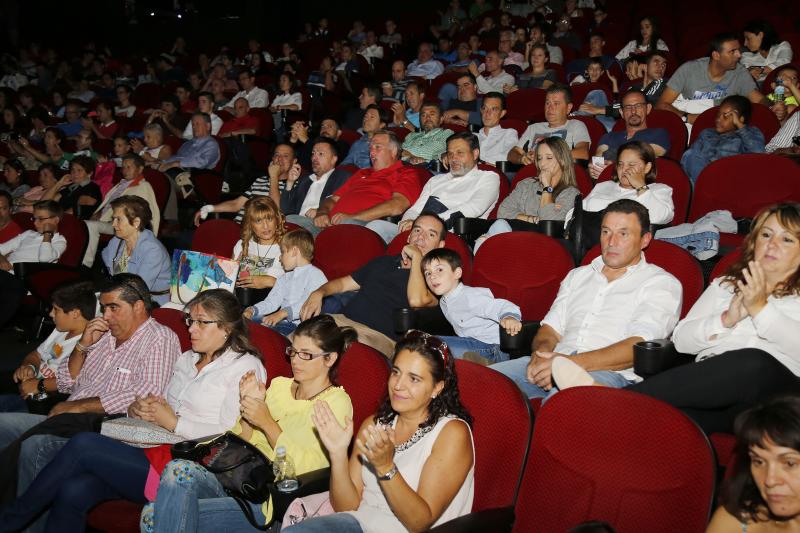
[[301, 238], [563, 155], [255, 209]]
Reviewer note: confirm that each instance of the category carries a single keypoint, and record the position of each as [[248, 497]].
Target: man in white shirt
[[493, 77], [425, 66], [205, 103], [255, 96], [603, 309], [303, 195], [44, 245], [464, 191], [495, 141], [557, 107]]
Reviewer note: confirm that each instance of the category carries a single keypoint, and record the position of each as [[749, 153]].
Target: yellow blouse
[[297, 429]]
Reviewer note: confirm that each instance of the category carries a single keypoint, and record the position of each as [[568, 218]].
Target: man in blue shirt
[[634, 112], [374, 119], [200, 152]]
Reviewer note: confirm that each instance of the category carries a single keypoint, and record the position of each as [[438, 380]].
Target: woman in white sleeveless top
[[412, 466]]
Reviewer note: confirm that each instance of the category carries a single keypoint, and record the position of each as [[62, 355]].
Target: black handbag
[[243, 471]]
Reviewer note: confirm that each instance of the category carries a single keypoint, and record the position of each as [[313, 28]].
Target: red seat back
[[216, 237], [173, 319], [208, 186], [272, 346], [517, 124], [501, 432], [364, 374], [74, 230], [505, 188], [523, 267], [676, 129], [766, 86], [616, 456], [349, 136], [674, 260], [526, 104], [341, 250], [595, 128], [723, 264], [161, 186], [24, 221], [728, 184], [452, 241]]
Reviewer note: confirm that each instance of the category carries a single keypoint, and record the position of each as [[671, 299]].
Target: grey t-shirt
[[691, 80], [573, 132]]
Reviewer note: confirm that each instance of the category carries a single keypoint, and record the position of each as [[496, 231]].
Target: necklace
[[297, 389], [415, 438]]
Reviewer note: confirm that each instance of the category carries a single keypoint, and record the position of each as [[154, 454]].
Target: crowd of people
[[404, 137]]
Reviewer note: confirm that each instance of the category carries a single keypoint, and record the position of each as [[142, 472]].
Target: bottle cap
[[280, 450]]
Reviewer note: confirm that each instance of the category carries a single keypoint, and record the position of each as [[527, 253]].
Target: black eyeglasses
[[432, 342], [291, 353], [189, 321]]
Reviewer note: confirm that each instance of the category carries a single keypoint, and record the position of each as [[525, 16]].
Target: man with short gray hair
[[430, 142]]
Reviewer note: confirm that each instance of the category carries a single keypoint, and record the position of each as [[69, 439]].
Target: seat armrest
[[498, 519], [653, 357], [519, 345], [428, 319], [470, 229], [394, 219]]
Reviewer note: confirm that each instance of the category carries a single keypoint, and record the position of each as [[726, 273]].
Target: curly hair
[[777, 421], [255, 209], [788, 215], [442, 366], [223, 306]]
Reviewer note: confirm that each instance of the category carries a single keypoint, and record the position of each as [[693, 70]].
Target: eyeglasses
[[189, 321], [631, 107], [305, 356], [434, 343], [42, 219]]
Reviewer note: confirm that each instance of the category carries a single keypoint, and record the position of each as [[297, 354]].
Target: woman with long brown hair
[[259, 248]]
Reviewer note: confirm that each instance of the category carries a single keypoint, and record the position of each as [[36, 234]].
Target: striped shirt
[[260, 187], [117, 374]]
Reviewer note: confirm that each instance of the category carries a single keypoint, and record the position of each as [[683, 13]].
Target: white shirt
[[494, 83], [429, 69], [29, 247], [591, 313], [314, 193], [216, 124], [657, 199], [497, 143], [778, 55], [776, 329], [374, 50], [257, 97], [473, 194], [51, 351], [289, 99], [207, 402]]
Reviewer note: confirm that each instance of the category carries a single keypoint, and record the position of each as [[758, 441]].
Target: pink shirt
[[117, 374]]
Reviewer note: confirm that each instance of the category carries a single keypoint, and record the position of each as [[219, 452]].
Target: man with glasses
[[634, 113], [123, 354], [42, 245]]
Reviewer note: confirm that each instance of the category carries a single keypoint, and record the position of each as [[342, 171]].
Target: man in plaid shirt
[[123, 354]]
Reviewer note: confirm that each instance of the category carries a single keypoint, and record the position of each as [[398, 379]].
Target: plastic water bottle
[[285, 480], [780, 92]]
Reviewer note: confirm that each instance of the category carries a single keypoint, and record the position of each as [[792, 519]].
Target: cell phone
[[598, 161]]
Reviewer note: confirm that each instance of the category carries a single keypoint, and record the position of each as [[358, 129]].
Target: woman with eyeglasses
[[412, 466], [634, 178], [202, 398], [135, 249], [191, 499]]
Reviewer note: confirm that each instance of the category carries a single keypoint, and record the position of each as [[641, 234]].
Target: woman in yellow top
[[191, 499]]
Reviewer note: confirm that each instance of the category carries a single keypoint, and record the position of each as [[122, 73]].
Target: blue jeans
[[12, 425], [517, 370], [334, 523], [693, 162], [91, 468], [12, 403], [598, 98], [284, 327], [499, 226], [191, 499], [304, 222], [36, 453], [459, 345], [387, 230]]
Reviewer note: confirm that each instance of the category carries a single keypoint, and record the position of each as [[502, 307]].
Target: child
[[788, 76], [73, 306], [472, 311], [293, 288], [259, 248]]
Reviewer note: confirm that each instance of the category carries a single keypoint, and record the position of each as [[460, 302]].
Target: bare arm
[[545, 340], [581, 151], [665, 103], [417, 290], [756, 97], [617, 356], [515, 155]]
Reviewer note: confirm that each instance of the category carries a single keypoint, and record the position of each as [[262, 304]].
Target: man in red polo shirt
[[243, 123], [8, 228], [386, 189]]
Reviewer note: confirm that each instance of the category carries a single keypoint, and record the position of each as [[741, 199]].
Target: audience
[[303, 195], [495, 141], [649, 40]]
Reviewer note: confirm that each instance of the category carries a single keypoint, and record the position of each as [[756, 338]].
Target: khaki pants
[[366, 335]]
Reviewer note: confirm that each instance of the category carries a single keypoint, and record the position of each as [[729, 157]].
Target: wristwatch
[[548, 189], [40, 387], [388, 475]]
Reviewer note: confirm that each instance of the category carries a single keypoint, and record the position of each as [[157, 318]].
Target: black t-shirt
[[384, 288], [464, 106], [71, 194]]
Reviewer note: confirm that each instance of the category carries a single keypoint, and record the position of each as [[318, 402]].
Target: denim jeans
[[35, 454], [304, 222], [598, 98], [91, 468], [12, 403], [12, 425], [387, 230], [459, 345], [517, 370], [334, 523], [191, 499]]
